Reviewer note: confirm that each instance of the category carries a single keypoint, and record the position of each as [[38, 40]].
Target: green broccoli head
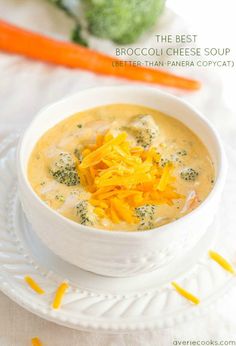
[[189, 174], [63, 169], [84, 213], [146, 137], [145, 130], [146, 214], [122, 21]]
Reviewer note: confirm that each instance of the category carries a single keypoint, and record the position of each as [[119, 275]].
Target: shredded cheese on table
[[36, 342], [34, 285], [60, 292], [121, 178], [189, 296], [221, 261]]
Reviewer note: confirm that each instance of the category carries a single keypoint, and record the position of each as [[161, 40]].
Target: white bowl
[[119, 253]]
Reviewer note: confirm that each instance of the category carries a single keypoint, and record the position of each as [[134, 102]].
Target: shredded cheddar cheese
[[185, 293], [60, 292], [36, 342], [164, 178], [121, 178], [221, 261], [34, 285]]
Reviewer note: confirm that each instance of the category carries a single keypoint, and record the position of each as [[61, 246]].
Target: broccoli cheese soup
[[121, 167]]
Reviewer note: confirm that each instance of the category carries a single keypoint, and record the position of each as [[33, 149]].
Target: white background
[[215, 22]]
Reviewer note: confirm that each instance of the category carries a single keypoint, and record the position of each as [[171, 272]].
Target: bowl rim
[[218, 184]]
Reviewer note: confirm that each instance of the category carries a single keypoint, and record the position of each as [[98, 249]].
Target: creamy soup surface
[[121, 167]]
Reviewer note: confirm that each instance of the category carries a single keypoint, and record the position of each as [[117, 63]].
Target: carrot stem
[[16, 40]]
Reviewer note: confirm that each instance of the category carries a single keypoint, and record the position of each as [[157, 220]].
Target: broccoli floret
[[122, 21], [145, 137], [76, 33], [84, 212], [144, 130], [146, 215], [63, 169], [182, 152], [177, 158], [189, 174], [164, 162], [77, 36]]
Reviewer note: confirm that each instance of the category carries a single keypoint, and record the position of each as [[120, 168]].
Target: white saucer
[[108, 304]]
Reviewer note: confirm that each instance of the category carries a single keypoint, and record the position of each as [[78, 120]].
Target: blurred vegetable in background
[[76, 34], [108, 23], [122, 21], [16, 40]]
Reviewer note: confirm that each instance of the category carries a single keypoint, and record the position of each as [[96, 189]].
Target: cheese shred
[[36, 342], [121, 178], [60, 292], [34, 285], [221, 261], [189, 296]]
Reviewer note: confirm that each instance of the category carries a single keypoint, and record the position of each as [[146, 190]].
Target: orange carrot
[[14, 39]]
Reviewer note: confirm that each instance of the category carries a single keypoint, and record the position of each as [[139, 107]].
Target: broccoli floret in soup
[[84, 213], [145, 130], [63, 169], [146, 214], [189, 174]]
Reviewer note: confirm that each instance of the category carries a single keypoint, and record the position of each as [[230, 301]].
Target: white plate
[[95, 302]]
